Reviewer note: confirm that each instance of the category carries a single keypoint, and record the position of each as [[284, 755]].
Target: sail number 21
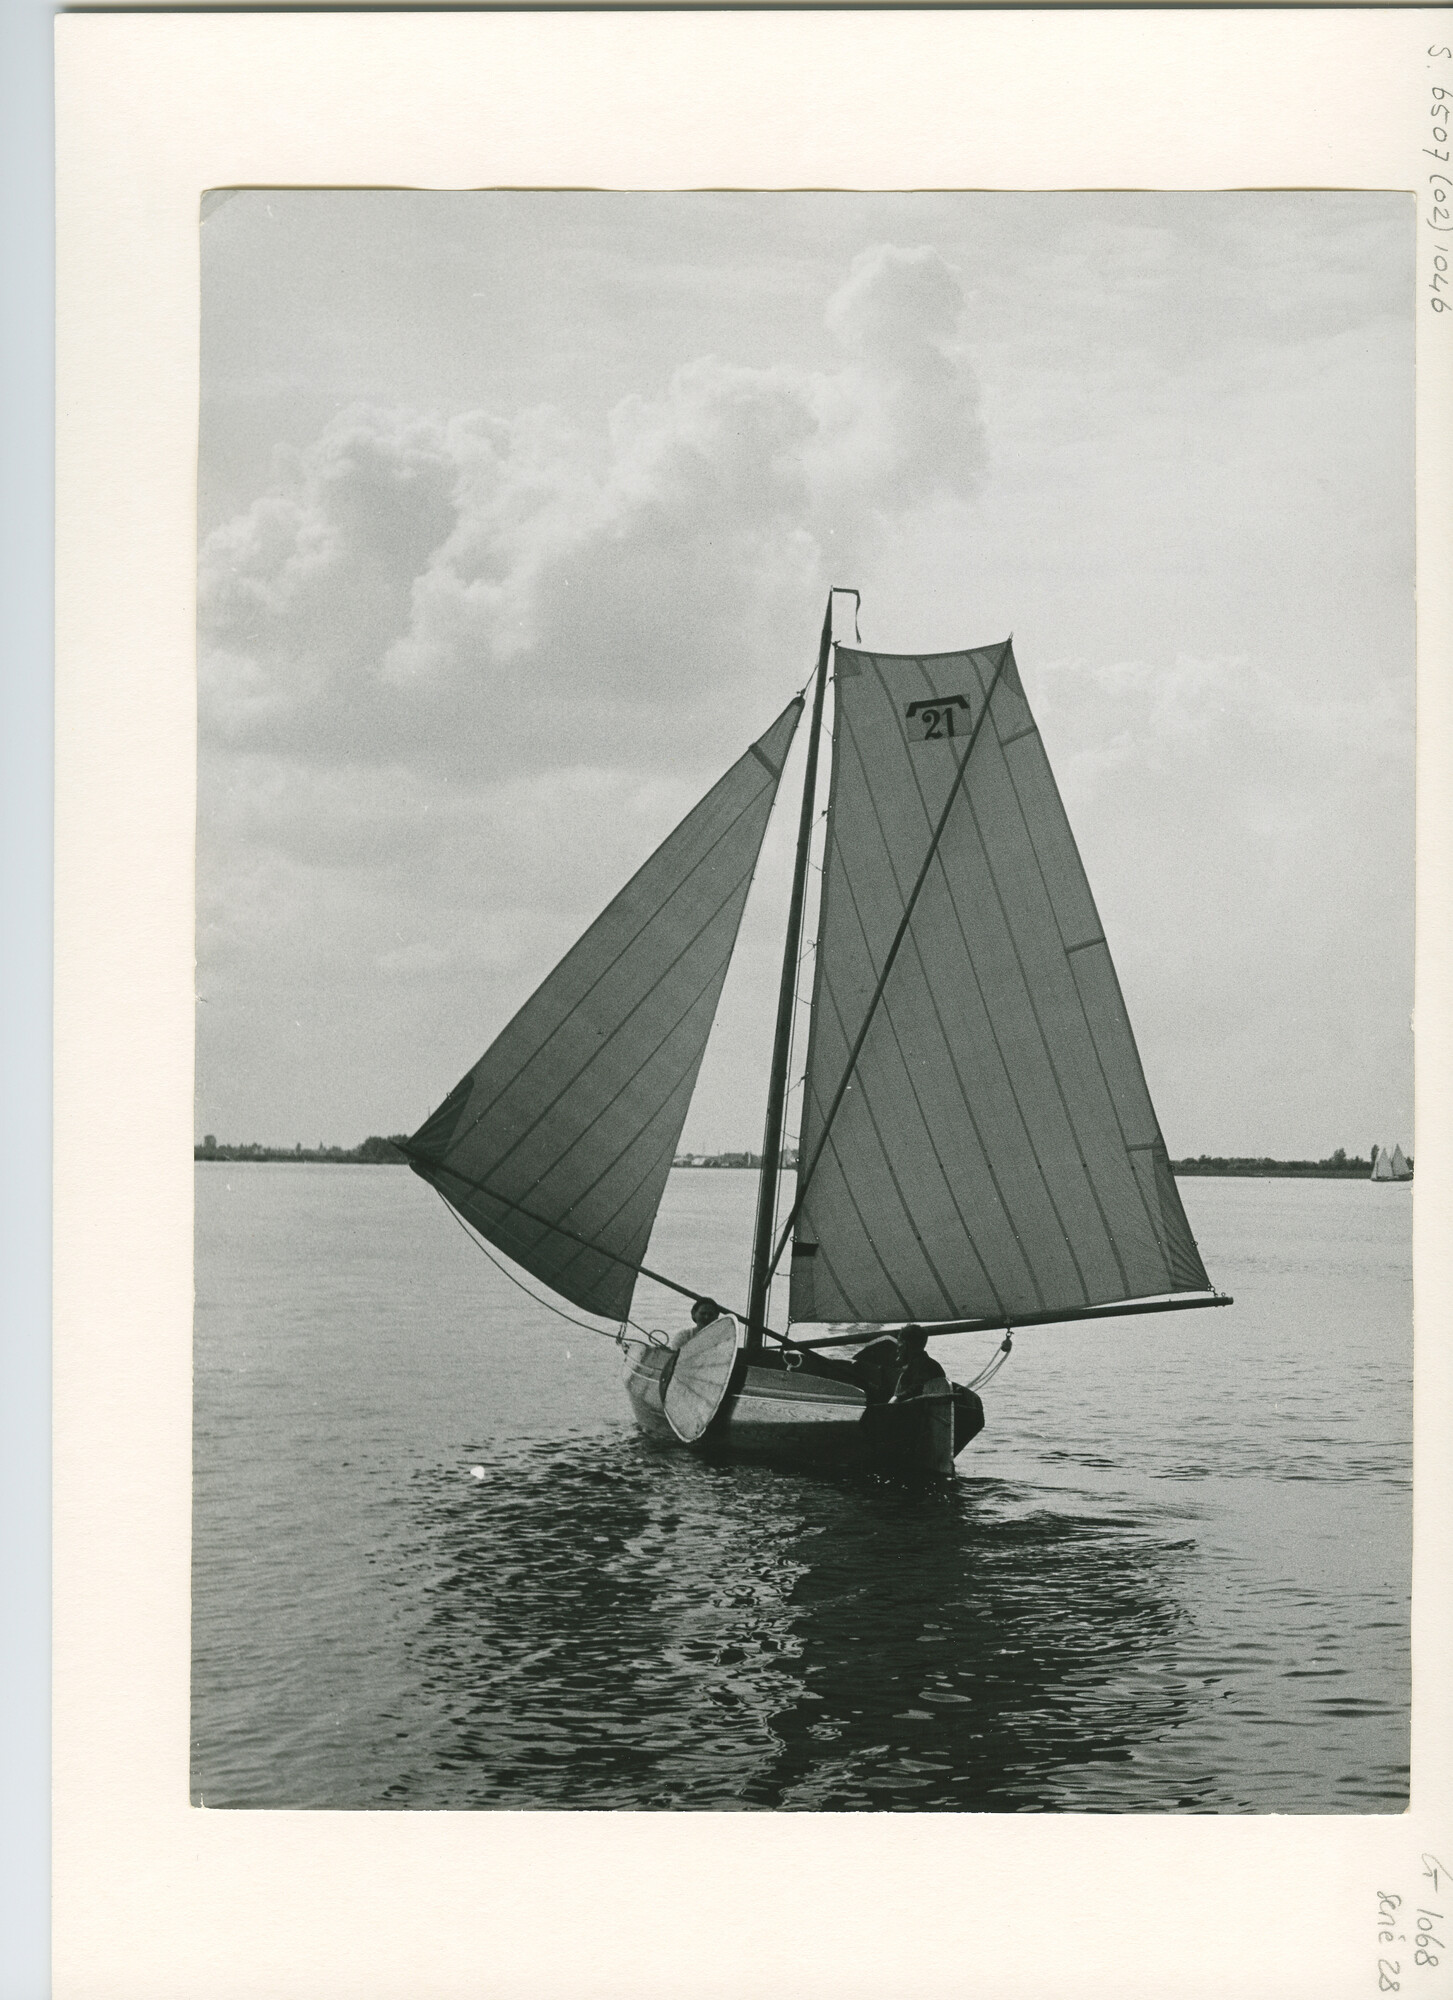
[[934, 720]]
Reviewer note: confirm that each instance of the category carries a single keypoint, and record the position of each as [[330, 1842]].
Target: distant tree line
[[789, 1160], [377, 1151], [1337, 1166], [374, 1152]]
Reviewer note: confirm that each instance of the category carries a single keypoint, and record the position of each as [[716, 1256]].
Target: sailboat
[[1390, 1166], [977, 1148]]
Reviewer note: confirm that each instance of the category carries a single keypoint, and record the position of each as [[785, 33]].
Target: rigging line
[[866, 1105], [804, 1180], [806, 947], [426, 1168], [996, 1361], [786, 1096], [504, 1272], [826, 999], [759, 1281], [947, 1039]]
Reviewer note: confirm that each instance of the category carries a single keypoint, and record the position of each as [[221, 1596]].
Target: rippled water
[[1173, 1572]]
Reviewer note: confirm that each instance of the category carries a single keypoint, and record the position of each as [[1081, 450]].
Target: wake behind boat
[[978, 1148]]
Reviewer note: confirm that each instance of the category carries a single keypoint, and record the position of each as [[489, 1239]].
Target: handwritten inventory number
[[1440, 187], [1425, 1934]]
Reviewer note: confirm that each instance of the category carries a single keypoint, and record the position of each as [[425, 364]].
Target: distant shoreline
[[374, 1152], [1248, 1169], [380, 1152]]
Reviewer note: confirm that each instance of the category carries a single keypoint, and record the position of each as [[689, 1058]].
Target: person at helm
[[918, 1372]]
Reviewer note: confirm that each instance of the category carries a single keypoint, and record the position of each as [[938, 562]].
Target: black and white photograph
[[804, 1137]]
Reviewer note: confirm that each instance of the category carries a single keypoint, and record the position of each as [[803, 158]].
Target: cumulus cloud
[[496, 591], [463, 667]]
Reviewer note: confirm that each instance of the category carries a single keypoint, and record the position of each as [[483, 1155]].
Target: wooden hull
[[798, 1417]]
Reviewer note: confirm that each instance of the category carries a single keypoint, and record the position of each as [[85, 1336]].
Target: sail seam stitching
[[1013, 1089], [609, 1168], [1044, 1041], [938, 1158], [688, 1075], [1052, 1066], [1008, 1074], [653, 1168], [742, 883], [891, 1171], [826, 1255], [427, 1169], [580, 999], [1157, 1234], [1163, 1233], [805, 1181], [826, 993]]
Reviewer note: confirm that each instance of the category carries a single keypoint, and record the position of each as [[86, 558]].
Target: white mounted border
[[162, 1902]]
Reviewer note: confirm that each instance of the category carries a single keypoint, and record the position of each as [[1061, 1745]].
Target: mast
[[761, 1279]]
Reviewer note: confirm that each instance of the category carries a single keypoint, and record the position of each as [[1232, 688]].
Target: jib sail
[[557, 1144]]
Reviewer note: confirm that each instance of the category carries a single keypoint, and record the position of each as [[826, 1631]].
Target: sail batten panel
[[605, 1088], [1051, 841], [983, 1158], [557, 1144]]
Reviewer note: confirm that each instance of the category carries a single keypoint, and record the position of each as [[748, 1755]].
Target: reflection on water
[[614, 1625], [1171, 1575]]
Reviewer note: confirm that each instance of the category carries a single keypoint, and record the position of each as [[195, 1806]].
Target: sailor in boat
[[702, 1314], [955, 922], [919, 1374]]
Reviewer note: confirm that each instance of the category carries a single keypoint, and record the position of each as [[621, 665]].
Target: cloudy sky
[[517, 515]]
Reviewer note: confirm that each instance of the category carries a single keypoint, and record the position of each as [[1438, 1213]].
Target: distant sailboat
[[978, 1149], [1390, 1166]]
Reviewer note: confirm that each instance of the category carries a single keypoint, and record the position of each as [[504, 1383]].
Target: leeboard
[[698, 1382]]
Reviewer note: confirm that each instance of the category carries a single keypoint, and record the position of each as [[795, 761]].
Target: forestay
[[557, 1144], [995, 1151]]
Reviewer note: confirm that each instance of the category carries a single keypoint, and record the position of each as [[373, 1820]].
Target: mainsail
[[557, 1144], [977, 1137]]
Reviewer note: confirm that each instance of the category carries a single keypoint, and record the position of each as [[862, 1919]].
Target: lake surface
[[1172, 1574]]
